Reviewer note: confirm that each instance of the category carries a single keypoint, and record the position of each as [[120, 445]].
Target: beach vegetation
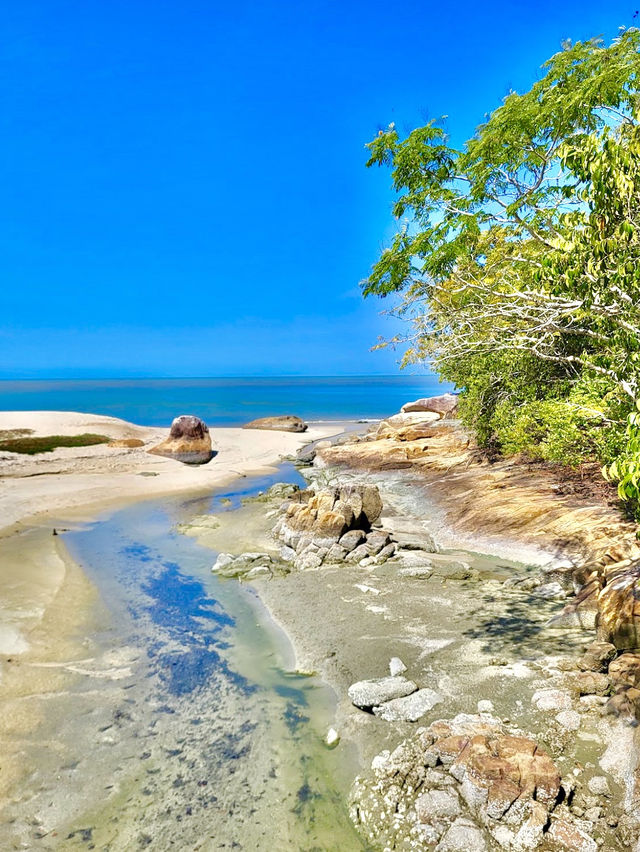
[[517, 261], [30, 445]]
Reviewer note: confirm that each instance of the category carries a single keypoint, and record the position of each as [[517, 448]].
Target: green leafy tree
[[516, 259]]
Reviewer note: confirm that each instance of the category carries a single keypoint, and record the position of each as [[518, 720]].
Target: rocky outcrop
[[189, 441], [467, 783], [445, 405], [333, 525], [281, 423]]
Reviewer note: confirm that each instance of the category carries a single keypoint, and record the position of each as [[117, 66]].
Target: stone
[[375, 541], [569, 720], [280, 423], [126, 443], [454, 571], [387, 552], [350, 540], [332, 738], [417, 573], [359, 553], [222, 561], [412, 541], [599, 786], [438, 804], [288, 554], [308, 561], [551, 699], [485, 706], [619, 607], [336, 553], [570, 837], [625, 670], [597, 657], [591, 683], [463, 834], [369, 498], [367, 694], [445, 405], [396, 666], [408, 709], [189, 441]]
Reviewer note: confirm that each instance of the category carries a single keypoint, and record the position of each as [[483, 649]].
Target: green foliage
[[47, 443], [517, 260]]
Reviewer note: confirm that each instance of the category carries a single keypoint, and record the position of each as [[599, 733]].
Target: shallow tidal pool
[[181, 725]]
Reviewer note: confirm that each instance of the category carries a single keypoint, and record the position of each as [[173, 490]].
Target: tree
[[520, 251]]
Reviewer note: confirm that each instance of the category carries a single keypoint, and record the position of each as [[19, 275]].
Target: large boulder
[[281, 423], [446, 405], [189, 441]]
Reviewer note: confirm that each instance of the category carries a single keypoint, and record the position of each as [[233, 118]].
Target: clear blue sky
[[182, 184]]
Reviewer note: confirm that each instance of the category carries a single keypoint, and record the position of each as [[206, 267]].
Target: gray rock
[[375, 541], [336, 553], [551, 699], [462, 835], [308, 561], [455, 571], [417, 573], [287, 553], [370, 693], [438, 804], [386, 553], [222, 561], [360, 552], [350, 540], [569, 720], [599, 786], [416, 541], [409, 709]]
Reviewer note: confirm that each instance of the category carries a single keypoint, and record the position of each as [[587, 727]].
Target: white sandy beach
[[77, 482]]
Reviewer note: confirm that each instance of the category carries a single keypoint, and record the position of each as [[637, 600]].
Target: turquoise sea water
[[223, 402]]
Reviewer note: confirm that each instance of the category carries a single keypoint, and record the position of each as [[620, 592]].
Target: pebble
[[485, 706]]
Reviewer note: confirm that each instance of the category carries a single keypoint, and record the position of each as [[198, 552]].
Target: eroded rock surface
[[283, 423], [465, 783], [189, 441], [445, 405]]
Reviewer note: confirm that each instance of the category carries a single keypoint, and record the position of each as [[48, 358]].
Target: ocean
[[222, 401]]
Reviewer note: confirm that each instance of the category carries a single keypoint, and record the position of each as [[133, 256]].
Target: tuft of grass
[[14, 433], [48, 443]]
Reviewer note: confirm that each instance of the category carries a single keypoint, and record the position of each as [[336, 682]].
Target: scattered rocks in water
[[189, 441], [281, 423], [410, 708], [367, 694], [461, 784]]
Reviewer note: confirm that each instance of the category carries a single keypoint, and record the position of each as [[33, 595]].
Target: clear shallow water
[[184, 729], [226, 402]]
